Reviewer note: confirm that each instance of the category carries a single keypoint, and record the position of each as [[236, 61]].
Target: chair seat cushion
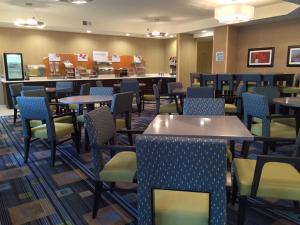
[[64, 119], [80, 119], [169, 108], [61, 130], [120, 124], [195, 85], [290, 90], [121, 168], [230, 108], [35, 123], [73, 106], [179, 207], [277, 130], [278, 180], [149, 97]]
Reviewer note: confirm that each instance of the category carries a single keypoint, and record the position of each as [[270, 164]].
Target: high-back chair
[[30, 88], [131, 85], [174, 85], [181, 181], [64, 88], [251, 78], [236, 106], [195, 79], [99, 83], [204, 106], [257, 106], [225, 85], [15, 91], [164, 108], [150, 98], [209, 80], [108, 91], [37, 108], [84, 90], [121, 167], [201, 92], [268, 177]]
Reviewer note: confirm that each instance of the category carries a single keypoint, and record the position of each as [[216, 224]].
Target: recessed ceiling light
[[80, 2], [171, 36], [30, 23], [128, 34], [89, 31], [204, 31]]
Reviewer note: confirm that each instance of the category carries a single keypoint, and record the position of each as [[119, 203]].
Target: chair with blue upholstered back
[[64, 88], [249, 79], [174, 85], [108, 91], [195, 79], [164, 108], [204, 106], [209, 80], [15, 91], [122, 165], [30, 88], [181, 181], [131, 85], [201, 92], [37, 108]]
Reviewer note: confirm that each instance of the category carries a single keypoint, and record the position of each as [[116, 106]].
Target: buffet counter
[[107, 80]]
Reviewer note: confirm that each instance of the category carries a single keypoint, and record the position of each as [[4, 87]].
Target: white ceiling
[[131, 16]]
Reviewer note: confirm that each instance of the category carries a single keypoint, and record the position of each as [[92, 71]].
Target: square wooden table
[[215, 127]]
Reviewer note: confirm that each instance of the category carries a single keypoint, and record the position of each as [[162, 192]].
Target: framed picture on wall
[[293, 57], [261, 57]]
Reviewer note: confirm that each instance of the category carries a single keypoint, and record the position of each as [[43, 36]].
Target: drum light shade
[[238, 13]]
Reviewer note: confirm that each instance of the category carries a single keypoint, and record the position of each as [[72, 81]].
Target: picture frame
[[261, 57], [293, 56], [13, 66]]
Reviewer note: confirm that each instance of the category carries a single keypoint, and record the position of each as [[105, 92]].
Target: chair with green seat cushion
[[37, 108], [84, 90], [150, 98], [177, 184], [129, 85], [165, 108], [15, 91], [236, 106], [195, 79], [122, 165], [268, 177], [41, 92], [256, 105]]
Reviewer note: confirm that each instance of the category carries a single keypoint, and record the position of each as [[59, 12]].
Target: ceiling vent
[[86, 23]]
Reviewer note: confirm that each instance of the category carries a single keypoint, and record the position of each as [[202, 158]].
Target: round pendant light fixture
[[234, 13], [157, 34], [80, 2], [30, 23]]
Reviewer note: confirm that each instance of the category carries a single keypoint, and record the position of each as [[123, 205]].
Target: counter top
[[100, 77]]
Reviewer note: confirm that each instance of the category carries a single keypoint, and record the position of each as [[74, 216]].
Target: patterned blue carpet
[[36, 193]]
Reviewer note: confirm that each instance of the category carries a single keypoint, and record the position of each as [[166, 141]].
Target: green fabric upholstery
[[179, 207], [169, 108], [121, 168], [278, 180], [149, 97], [277, 130], [120, 124], [35, 123], [230, 108], [195, 85], [61, 130], [287, 121], [80, 119], [73, 106], [290, 90]]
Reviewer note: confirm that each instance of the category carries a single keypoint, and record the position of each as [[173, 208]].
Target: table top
[[179, 91], [215, 127], [288, 101], [140, 84], [85, 99]]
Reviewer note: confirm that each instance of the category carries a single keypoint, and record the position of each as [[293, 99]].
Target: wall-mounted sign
[[137, 59], [220, 56], [100, 56], [115, 58], [13, 65], [53, 57], [81, 57]]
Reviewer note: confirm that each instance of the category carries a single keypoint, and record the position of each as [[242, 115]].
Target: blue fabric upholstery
[[201, 92], [122, 106], [15, 91], [185, 164], [85, 89], [204, 106], [31, 88], [209, 80], [270, 92], [35, 93], [251, 78], [101, 91]]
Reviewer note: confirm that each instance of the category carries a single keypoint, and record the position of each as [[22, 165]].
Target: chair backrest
[[35, 108], [159, 85], [270, 92], [253, 78], [157, 98], [193, 77], [99, 83], [201, 92], [174, 85], [108, 91], [204, 106], [101, 130], [85, 89], [297, 80], [30, 88], [182, 164], [15, 91], [65, 86], [256, 105], [131, 85], [122, 103], [129, 80], [209, 80], [35, 93]]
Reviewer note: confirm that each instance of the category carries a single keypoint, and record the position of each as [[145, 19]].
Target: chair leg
[[86, 140], [15, 115], [232, 148], [234, 190], [130, 139], [296, 204], [265, 148], [26, 148], [53, 152], [242, 210], [245, 149], [76, 141], [97, 197]]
